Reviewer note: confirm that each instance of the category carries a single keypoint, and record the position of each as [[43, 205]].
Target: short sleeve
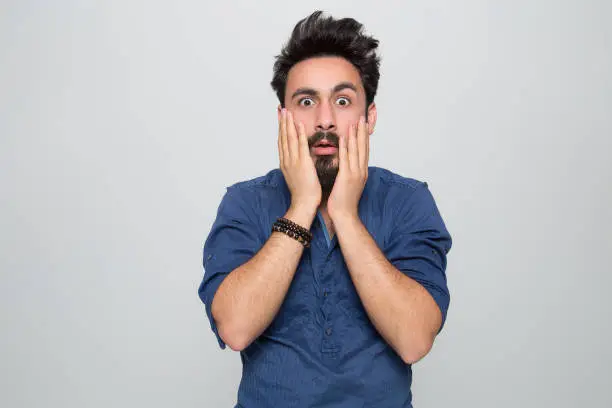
[[232, 241], [419, 242]]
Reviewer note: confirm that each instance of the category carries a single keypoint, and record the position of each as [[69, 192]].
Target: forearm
[[250, 296], [402, 310]]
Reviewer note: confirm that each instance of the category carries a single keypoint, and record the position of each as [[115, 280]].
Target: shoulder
[[393, 186], [272, 180], [260, 194], [402, 198], [270, 183]]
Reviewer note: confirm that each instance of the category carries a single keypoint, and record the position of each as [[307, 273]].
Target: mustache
[[331, 137]]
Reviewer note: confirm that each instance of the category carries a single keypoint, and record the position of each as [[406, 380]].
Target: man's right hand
[[249, 298], [297, 165]]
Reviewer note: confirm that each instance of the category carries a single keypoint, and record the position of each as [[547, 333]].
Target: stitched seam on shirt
[[262, 181], [412, 183], [246, 186]]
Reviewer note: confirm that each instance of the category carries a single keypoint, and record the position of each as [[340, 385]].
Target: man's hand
[[296, 164], [353, 156]]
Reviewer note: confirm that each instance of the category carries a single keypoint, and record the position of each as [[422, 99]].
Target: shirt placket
[[326, 288], [327, 292]]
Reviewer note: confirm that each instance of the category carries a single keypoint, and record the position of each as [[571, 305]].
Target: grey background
[[121, 123]]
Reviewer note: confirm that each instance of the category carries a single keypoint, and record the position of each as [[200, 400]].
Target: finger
[[280, 151], [303, 140], [292, 138], [353, 155], [342, 152], [283, 135], [361, 143], [280, 140], [367, 144]]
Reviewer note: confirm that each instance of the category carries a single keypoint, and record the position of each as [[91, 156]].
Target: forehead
[[322, 74]]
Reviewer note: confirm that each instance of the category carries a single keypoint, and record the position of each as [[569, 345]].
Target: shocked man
[[328, 275]]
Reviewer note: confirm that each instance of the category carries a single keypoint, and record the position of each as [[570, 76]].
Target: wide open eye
[[343, 101], [306, 102]]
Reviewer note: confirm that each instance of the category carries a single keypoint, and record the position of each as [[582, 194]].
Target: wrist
[[344, 218], [302, 215]]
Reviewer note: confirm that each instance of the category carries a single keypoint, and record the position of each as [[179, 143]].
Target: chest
[[322, 295]]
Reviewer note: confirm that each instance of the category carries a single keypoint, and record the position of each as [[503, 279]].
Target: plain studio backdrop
[[122, 122]]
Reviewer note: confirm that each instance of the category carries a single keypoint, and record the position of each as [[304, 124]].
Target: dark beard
[[326, 170]]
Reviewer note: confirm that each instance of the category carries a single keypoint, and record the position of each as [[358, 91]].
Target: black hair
[[317, 36]]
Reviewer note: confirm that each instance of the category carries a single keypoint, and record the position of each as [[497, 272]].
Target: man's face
[[326, 94]]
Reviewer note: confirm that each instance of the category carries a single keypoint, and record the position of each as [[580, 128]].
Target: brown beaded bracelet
[[292, 234], [302, 235], [296, 227], [293, 230]]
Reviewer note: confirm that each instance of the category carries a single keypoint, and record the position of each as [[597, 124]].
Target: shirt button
[[325, 293], [328, 331]]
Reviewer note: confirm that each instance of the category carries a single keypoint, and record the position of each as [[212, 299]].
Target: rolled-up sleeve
[[232, 241], [419, 242]]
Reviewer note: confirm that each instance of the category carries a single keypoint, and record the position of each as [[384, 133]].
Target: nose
[[326, 120]]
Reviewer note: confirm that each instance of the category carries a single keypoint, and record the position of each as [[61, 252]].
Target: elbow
[[236, 344], [233, 337], [414, 352], [230, 329]]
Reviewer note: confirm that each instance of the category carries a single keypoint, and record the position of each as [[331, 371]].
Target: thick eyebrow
[[345, 85], [304, 91], [311, 92]]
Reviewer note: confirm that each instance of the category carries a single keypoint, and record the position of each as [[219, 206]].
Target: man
[[327, 275]]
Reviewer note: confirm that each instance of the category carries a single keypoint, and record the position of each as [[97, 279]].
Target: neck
[[323, 205]]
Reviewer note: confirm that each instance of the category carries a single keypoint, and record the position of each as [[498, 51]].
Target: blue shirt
[[321, 350]]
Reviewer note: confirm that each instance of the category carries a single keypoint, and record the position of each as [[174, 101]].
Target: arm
[[401, 309], [250, 296], [246, 279], [405, 296]]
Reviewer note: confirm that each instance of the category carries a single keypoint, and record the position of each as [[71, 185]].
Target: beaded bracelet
[[293, 230], [297, 232], [292, 234], [294, 226]]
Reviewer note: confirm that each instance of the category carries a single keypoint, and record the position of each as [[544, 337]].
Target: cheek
[[345, 119], [304, 118]]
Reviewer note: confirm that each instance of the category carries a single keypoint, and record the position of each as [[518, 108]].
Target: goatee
[[326, 169], [327, 172]]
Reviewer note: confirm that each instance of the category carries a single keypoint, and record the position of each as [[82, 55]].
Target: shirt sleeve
[[232, 241], [419, 242]]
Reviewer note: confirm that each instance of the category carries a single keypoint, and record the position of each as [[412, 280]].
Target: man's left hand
[[353, 156]]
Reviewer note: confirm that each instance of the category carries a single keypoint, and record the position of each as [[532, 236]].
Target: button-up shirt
[[321, 349]]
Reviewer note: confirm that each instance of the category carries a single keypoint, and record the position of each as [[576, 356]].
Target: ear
[[371, 117], [279, 109]]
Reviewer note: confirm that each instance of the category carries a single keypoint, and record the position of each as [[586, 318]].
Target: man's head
[[327, 76]]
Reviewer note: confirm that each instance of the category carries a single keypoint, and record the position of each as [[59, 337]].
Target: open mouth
[[325, 147], [324, 144]]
